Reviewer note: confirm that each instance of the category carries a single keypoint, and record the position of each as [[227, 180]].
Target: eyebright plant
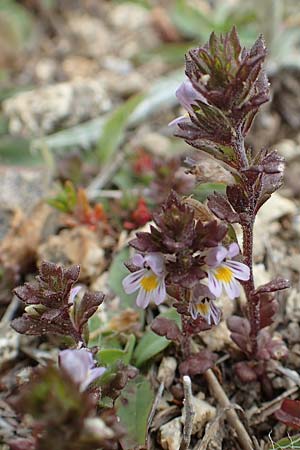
[[66, 402], [53, 306], [225, 86]]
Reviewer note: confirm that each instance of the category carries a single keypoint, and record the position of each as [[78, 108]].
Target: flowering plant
[[226, 84]]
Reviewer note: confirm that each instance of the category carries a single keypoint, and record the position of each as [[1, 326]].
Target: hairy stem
[[186, 338], [253, 306], [247, 226]]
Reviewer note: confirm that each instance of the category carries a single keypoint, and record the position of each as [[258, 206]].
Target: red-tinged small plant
[[63, 401], [64, 412], [52, 305], [289, 413], [77, 208], [184, 254], [139, 216]]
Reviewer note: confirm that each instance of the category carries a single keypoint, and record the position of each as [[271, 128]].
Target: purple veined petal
[[215, 313], [74, 291], [93, 374], [233, 250], [76, 363], [193, 311], [143, 298], [214, 285], [131, 283], [156, 262], [138, 260], [187, 95], [232, 289], [215, 256], [177, 121], [160, 293], [199, 292], [240, 270]]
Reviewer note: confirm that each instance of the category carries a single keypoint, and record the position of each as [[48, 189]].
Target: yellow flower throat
[[149, 282], [223, 274]]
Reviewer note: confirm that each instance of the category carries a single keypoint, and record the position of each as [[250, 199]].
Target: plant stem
[[247, 226], [186, 338], [253, 305]]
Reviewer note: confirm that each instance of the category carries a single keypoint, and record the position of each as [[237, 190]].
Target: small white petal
[[160, 294], [214, 285], [131, 283], [143, 299], [239, 270], [138, 260], [233, 250]]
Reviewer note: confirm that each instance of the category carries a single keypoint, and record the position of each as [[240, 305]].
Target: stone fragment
[[78, 245], [170, 434], [43, 110], [166, 371], [204, 413]]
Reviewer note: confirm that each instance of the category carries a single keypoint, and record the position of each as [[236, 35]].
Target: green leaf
[[203, 190], [16, 23], [133, 407], [160, 96], [191, 21], [117, 273], [16, 151], [151, 344], [114, 129], [172, 53], [291, 442], [109, 356]]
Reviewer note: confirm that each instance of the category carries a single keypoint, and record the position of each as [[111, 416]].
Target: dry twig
[[232, 417], [189, 413]]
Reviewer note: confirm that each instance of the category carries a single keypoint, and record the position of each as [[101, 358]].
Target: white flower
[[202, 304], [223, 272], [149, 280]]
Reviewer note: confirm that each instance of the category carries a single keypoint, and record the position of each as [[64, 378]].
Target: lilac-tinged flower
[[223, 272], [80, 366], [187, 96], [202, 304], [73, 293], [149, 280]]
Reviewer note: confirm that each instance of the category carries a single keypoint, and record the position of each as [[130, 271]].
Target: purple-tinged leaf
[[167, 328], [240, 332], [273, 286], [197, 363], [245, 371], [220, 206]]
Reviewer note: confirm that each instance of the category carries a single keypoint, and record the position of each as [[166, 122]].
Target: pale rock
[[78, 245], [23, 187], [130, 16], [260, 274], [9, 345], [204, 413], [274, 208], [42, 110], [155, 143], [91, 34], [166, 371], [292, 306], [170, 434], [217, 338], [288, 149]]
